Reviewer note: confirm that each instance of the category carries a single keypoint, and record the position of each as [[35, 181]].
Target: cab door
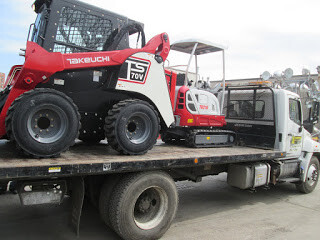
[[294, 128]]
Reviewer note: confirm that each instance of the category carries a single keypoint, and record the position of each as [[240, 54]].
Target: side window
[[244, 109], [295, 111], [259, 111], [190, 104], [39, 29]]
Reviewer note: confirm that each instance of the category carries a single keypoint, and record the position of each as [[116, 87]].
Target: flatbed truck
[[137, 196], [80, 171]]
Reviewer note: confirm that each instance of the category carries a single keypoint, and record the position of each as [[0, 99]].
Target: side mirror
[[300, 129], [308, 126]]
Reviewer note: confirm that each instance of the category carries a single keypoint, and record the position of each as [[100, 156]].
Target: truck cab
[[265, 117]]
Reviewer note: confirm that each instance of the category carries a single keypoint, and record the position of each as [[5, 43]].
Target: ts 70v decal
[[134, 70]]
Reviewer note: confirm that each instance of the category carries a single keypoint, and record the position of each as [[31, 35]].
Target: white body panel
[[291, 133], [206, 103], [308, 148], [154, 86]]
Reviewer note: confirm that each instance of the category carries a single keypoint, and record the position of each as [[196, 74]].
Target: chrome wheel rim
[[312, 175], [150, 208]]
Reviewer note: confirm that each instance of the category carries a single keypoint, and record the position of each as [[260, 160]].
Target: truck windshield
[[40, 27]]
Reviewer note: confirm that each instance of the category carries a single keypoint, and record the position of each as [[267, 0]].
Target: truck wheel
[[3, 187], [143, 205], [43, 122], [312, 177], [132, 127]]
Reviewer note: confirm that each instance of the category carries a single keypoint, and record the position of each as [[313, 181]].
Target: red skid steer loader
[[80, 74], [81, 79]]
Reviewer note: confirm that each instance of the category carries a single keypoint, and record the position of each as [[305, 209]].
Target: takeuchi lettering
[[88, 60]]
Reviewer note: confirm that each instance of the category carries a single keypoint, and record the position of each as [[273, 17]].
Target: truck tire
[[312, 177], [143, 205], [93, 186], [132, 127], [43, 122], [105, 195]]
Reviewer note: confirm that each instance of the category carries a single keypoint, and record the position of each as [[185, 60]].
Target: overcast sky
[[260, 35]]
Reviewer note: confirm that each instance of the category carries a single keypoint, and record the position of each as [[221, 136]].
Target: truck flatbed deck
[[82, 159]]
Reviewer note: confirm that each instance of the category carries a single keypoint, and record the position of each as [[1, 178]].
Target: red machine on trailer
[[198, 113], [32, 132]]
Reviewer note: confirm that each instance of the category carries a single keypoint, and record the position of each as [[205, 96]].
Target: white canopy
[[203, 47]]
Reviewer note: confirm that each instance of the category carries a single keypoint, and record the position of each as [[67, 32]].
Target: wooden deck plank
[[102, 153]]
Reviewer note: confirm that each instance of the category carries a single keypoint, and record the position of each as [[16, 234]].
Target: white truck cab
[[272, 118], [292, 138]]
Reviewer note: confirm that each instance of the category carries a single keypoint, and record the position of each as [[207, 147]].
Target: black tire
[[43, 122], [3, 187], [312, 177], [132, 127], [105, 195], [143, 205]]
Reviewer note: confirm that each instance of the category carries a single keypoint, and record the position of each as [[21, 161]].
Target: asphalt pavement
[[208, 210]]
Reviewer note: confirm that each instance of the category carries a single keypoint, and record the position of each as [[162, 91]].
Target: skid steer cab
[[81, 79], [198, 116]]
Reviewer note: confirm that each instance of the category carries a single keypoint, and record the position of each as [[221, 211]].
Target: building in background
[[2, 80]]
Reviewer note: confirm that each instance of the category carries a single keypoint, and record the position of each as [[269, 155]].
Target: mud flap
[[77, 203]]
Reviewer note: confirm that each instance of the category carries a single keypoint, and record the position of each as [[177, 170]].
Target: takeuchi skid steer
[[81, 79], [76, 71]]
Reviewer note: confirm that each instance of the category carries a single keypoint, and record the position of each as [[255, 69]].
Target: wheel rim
[[312, 175], [47, 123], [138, 128], [150, 208]]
